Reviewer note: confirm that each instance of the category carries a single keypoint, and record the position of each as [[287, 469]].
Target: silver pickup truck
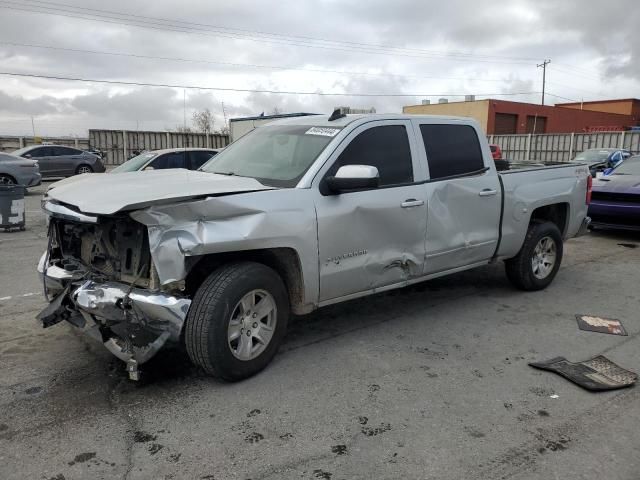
[[296, 215]]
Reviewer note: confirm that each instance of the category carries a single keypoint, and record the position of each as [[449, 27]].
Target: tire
[[83, 169], [213, 319], [7, 180], [521, 270]]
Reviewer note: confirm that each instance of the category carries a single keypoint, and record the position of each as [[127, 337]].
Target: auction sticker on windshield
[[325, 132]]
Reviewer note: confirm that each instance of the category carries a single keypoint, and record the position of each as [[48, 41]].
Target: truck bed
[[530, 185]]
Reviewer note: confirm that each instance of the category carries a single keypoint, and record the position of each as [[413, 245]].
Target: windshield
[[277, 156], [592, 156], [22, 151], [135, 164], [629, 167]]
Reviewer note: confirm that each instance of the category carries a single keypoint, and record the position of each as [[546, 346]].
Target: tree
[[203, 121]]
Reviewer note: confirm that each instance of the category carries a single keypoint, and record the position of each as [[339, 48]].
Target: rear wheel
[[83, 169], [7, 180], [538, 261], [237, 320]]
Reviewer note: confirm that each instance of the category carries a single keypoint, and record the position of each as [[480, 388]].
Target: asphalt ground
[[428, 382]]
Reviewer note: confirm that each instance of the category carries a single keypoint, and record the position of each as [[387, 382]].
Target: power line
[[247, 32], [9, 5], [250, 90], [231, 64]]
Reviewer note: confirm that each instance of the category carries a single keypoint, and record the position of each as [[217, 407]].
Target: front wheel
[[83, 169], [7, 180], [237, 320], [538, 261]]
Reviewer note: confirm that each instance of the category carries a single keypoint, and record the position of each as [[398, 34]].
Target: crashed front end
[[99, 276]]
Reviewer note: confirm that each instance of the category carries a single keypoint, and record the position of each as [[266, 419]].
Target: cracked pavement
[[427, 382]]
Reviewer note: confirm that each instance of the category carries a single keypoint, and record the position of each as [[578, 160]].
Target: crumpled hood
[[618, 183], [106, 194]]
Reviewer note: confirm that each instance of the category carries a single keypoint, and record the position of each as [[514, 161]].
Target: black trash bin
[[12, 207]]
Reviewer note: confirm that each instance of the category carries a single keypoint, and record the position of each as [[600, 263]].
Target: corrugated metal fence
[[562, 147], [119, 145]]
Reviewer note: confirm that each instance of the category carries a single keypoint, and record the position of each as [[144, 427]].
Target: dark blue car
[[615, 201], [602, 159]]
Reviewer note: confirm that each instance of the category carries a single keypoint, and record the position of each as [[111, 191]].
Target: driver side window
[[386, 148]]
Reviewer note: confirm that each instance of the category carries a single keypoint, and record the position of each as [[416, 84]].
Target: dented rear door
[[373, 238]]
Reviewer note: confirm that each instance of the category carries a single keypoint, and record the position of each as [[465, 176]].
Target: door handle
[[487, 193], [411, 202]]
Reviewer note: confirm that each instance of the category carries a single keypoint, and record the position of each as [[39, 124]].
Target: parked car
[[188, 158], [602, 159], [60, 161], [19, 171], [496, 151], [615, 201], [295, 215]]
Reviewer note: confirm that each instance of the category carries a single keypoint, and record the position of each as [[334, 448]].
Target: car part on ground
[[592, 323], [597, 374]]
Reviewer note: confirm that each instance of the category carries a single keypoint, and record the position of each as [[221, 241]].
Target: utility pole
[[544, 76], [33, 127]]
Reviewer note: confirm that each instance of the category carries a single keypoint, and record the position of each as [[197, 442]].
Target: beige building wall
[[479, 110]]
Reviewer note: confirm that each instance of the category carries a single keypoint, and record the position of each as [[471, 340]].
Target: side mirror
[[149, 167], [28, 155], [354, 177]]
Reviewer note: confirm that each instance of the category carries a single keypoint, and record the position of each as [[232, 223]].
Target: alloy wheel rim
[[84, 170], [5, 180], [544, 258], [252, 325]]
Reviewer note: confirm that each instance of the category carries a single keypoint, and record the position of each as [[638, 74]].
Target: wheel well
[[556, 213], [10, 176], [84, 165], [284, 261]]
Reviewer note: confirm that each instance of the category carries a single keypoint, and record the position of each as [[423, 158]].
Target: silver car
[[59, 161], [187, 158], [16, 170]]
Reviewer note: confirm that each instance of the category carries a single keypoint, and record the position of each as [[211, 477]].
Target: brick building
[[500, 117]]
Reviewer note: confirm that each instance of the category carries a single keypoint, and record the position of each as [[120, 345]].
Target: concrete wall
[[478, 110], [562, 147], [118, 145], [10, 143]]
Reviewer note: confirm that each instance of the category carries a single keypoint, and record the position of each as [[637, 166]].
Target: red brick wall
[[559, 119]]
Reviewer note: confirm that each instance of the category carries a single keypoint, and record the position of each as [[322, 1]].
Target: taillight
[[589, 189]]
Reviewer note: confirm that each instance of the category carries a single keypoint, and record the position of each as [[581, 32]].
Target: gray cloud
[[496, 46]]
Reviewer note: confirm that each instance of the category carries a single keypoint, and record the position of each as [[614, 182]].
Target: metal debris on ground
[[596, 374], [600, 325]]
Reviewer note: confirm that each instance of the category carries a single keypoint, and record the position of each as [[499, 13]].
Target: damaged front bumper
[[132, 323]]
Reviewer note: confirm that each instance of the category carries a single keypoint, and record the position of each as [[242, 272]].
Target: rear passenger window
[[451, 150], [386, 148], [168, 160]]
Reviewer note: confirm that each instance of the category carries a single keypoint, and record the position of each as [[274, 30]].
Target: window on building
[[536, 124], [505, 124], [451, 150]]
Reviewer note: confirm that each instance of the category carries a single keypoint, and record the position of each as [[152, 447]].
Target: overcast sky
[[386, 47]]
